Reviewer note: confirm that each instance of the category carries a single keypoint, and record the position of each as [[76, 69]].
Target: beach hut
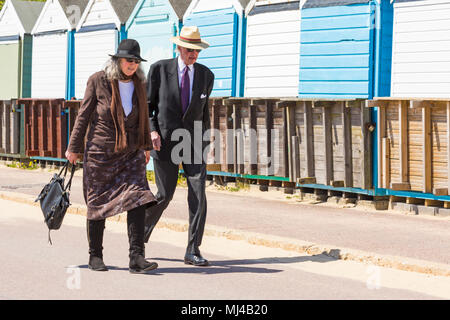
[[222, 24], [17, 19], [152, 24], [272, 49], [346, 49], [421, 45], [98, 33], [53, 49]]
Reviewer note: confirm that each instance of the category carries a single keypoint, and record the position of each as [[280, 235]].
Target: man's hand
[[72, 157], [156, 140], [147, 156]]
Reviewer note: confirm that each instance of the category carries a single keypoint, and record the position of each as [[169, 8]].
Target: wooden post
[[381, 133], [52, 130], [286, 140], [347, 128], [25, 115], [41, 136], [327, 135], [238, 143], [269, 127], [2, 111], [386, 162], [295, 158], [448, 144], [403, 140], [366, 149], [229, 148], [290, 121], [253, 140], [62, 129], [427, 150], [34, 149], [309, 139], [215, 140], [7, 114]]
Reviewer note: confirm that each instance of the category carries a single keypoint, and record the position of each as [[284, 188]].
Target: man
[[178, 91]]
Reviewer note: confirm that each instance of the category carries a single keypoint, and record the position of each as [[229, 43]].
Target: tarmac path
[[31, 269], [263, 245]]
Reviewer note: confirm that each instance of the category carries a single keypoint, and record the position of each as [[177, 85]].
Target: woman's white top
[[126, 93]]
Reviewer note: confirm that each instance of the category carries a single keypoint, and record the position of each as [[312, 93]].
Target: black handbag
[[54, 199]]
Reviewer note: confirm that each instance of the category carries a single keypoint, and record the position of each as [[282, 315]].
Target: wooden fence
[[320, 142], [9, 128], [45, 126], [413, 144], [325, 142], [329, 142], [248, 136]]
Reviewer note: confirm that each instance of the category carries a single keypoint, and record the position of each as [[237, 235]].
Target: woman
[[114, 112]]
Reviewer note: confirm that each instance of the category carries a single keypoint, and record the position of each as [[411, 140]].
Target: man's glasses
[[192, 50], [130, 60]]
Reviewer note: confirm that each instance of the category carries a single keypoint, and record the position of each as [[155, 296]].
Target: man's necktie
[[185, 89]]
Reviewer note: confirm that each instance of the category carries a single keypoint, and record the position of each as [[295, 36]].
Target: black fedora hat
[[128, 48]]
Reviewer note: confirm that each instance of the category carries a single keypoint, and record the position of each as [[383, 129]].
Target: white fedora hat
[[190, 38]]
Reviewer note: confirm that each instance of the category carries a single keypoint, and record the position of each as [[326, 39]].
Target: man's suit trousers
[[166, 177]]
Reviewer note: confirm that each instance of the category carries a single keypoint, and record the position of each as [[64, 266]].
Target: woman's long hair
[[114, 75], [113, 71]]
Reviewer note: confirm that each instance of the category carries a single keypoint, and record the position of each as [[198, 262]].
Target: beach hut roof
[[244, 3], [26, 11], [71, 7], [331, 3], [122, 11], [252, 3], [404, 0], [239, 5], [180, 7]]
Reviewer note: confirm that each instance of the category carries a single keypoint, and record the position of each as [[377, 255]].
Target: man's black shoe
[[196, 260]]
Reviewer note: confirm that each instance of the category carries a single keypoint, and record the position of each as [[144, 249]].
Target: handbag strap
[[69, 183], [62, 169]]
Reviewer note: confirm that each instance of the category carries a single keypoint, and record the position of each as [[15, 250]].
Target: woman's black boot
[[135, 222], [95, 229]]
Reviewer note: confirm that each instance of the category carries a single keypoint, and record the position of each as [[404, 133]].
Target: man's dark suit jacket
[[164, 101]]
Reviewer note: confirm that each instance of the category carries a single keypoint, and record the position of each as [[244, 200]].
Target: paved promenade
[[273, 219]]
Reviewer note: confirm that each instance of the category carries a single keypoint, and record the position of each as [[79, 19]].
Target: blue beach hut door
[[218, 22], [154, 23]]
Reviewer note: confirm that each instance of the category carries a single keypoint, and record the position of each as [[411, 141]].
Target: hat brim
[[130, 56], [199, 46]]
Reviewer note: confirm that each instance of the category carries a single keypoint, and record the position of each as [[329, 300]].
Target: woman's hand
[[156, 140], [72, 157], [147, 156]]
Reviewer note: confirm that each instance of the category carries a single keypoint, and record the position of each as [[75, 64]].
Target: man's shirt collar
[[181, 65]]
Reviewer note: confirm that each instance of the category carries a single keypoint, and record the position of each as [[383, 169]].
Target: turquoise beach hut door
[[223, 25], [345, 49], [152, 24]]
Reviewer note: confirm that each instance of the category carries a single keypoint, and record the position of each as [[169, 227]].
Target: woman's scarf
[[118, 115]]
